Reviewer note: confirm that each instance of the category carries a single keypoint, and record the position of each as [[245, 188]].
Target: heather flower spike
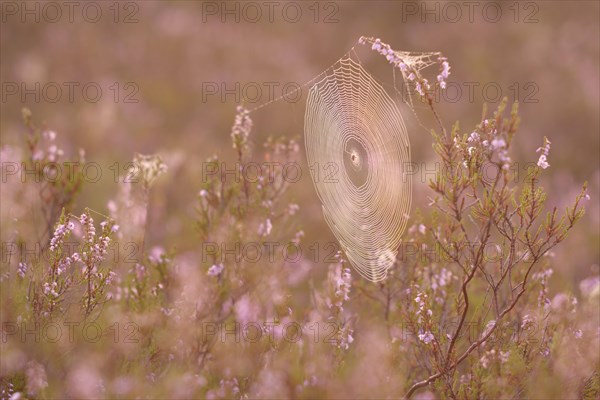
[[147, 168], [544, 150], [241, 129], [412, 64]]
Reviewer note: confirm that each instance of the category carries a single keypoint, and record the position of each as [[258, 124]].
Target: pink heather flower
[[110, 277], [50, 289], [473, 137], [156, 253], [22, 270], [216, 270], [527, 320], [36, 378], [484, 361], [590, 286], [112, 206], [298, 236], [246, 310], [293, 208], [345, 339], [147, 167], [376, 45], [340, 282], [54, 153], [343, 284], [446, 70], [426, 337], [58, 237], [350, 338], [442, 279], [420, 89], [241, 128], [420, 300], [139, 270], [38, 155], [545, 150], [498, 144], [49, 135], [265, 228], [542, 162]]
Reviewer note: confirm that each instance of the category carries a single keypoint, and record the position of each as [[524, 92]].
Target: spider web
[[358, 152], [354, 129]]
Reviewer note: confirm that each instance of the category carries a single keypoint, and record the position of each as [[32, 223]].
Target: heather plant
[[66, 271], [471, 284], [448, 281], [59, 269], [58, 180]]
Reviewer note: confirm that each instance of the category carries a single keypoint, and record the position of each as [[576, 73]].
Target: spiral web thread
[[354, 129], [359, 154]]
